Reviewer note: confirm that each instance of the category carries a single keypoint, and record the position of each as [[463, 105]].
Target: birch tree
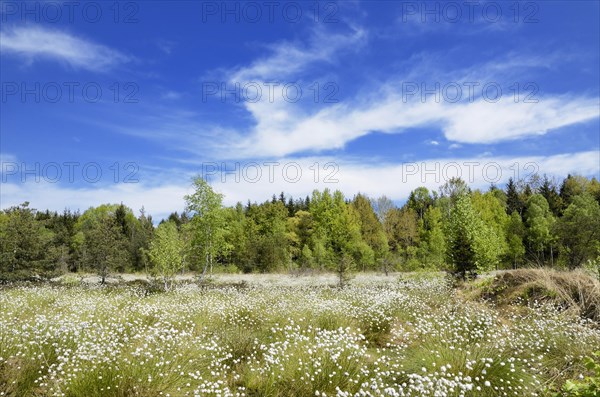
[[207, 221]]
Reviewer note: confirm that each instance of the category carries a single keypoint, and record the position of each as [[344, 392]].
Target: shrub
[[574, 290], [590, 385]]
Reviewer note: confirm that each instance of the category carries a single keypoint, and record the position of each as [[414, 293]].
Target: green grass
[[414, 336]]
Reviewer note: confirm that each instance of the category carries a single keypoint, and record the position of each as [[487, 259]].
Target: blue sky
[[378, 97]]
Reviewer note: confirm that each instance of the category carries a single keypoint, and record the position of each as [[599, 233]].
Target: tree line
[[538, 222]]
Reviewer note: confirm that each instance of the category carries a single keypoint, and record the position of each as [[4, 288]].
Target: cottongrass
[[410, 338]]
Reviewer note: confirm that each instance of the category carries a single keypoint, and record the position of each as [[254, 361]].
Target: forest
[[533, 223]]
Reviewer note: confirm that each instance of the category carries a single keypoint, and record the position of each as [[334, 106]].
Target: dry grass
[[570, 290]]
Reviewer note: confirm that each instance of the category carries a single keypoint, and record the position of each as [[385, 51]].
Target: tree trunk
[[205, 267]]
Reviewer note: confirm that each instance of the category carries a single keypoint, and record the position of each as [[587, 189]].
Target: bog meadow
[[456, 293]]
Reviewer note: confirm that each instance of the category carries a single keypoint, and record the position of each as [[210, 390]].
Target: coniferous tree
[[24, 244], [291, 207], [472, 245], [461, 239], [514, 201], [105, 249], [548, 190], [572, 185]]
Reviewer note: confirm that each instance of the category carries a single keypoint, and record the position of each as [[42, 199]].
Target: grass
[[569, 290], [408, 336]]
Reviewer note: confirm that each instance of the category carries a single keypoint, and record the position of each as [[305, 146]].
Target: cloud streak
[[36, 42], [395, 180], [283, 128]]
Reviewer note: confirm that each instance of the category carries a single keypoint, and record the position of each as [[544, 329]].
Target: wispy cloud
[[36, 42], [485, 122], [290, 58], [159, 201], [396, 180], [283, 131], [282, 128], [279, 128], [166, 46]]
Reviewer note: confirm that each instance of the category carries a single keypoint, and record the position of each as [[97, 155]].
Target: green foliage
[[572, 185], [529, 223], [588, 386], [166, 253], [26, 249], [514, 200], [432, 249], [269, 237], [131, 234], [550, 193], [345, 267], [461, 238], [419, 200], [578, 231], [337, 230], [104, 248], [491, 210], [371, 229], [306, 259], [207, 223], [539, 221], [473, 245], [515, 232], [402, 229]]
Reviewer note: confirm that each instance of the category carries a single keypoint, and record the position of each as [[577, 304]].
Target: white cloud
[[397, 180], [7, 157], [350, 176], [282, 128], [287, 59], [486, 122], [35, 42], [158, 201], [279, 128]]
